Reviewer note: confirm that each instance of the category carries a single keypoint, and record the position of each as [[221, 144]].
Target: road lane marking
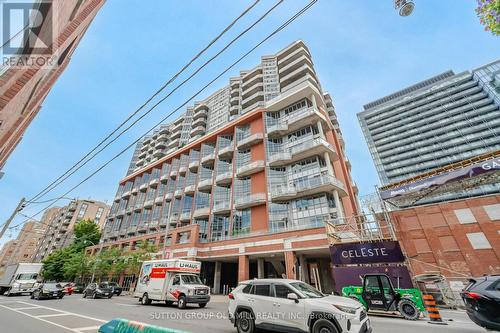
[[125, 304], [71, 313], [88, 328], [28, 308], [54, 315]]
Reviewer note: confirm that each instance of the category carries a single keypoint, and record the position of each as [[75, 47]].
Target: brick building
[[244, 181]]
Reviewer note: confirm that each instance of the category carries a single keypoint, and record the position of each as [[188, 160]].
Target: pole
[[19, 207]]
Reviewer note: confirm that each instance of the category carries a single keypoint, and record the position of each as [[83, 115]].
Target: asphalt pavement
[[76, 314]]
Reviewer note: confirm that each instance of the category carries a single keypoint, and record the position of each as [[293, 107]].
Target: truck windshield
[[190, 279], [307, 290], [27, 276]]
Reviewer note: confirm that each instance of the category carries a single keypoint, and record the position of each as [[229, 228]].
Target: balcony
[[172, 221], [234, 100], [258, 104], [154, 183], [164, 178], [148, 203], [72, 207], [224, 179], [208, 159], [164, 130], [126, 195], [159, 200], [280, 159], [129, 210], [117, 198], [143, 187], [199, 122], [252, 99], [142, 228], [178, 194], [250, 168], [226, 152], [161, 145], [190, 189], [283, 193], [200, 114], [198, 130], [203, 212], [297, 120], [131, 230], [183, 170], [193, 165], [173, 174], [138, 207], [120, 213], [250, 140], [122, 232], [153, 225], [278, 129], [250, 200], [205, 185], [135, 190], [221, 208], [200, 107], [175, 142], [185, 217], [249, 78], [234, 110], [301, 151], [169, 196]]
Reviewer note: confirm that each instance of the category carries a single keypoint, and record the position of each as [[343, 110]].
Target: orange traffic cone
[[432, 310]]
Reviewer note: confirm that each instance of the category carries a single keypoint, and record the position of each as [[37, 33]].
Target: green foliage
[[86, 234], [141, 254], [53, 265], [489, 15], [78, 264]]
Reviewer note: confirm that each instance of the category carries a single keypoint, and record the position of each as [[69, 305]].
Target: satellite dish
[[405, 7]]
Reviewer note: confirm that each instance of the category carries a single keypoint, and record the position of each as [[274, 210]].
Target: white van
[[172, 280]]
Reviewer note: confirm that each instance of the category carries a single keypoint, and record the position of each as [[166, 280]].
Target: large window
[[220, 227], [98, 215], [83, 210], [242, 221]]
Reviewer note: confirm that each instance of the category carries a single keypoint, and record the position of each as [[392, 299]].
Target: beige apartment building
[[6, 253], [59, 230], [24, 88]]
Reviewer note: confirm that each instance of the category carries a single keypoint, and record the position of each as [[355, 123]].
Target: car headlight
[[16, 285], [45, 291], [190, 292], [346, 309], [98, 290]]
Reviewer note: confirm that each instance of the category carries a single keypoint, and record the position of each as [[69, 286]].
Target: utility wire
[[52, 185], [283, 26]]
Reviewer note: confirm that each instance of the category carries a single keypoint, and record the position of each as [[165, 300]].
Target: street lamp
[[405, 7]]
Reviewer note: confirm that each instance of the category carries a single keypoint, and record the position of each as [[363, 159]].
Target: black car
[[78, 288], [48, 291], [117, 290], [482, 301], [95, 290]]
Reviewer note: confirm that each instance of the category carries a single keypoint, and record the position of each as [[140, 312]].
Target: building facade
[[443, 120], [23, 89], [59, 229], [6, 253], [244, 181]]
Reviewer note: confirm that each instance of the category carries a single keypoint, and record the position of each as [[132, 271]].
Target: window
[[98, 215], [478, 241], [282, 291], [493, 211], [83, 210], [262, 290], [465, 216], [176, 281], [247, 289]]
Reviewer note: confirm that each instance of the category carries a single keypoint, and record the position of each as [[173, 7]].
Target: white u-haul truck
[[170, 281]]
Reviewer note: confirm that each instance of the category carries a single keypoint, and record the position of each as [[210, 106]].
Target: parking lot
[[76, 314]]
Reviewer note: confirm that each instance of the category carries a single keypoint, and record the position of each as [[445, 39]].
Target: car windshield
[[307, 290], [103, 285], [27, 276], [52, 286], [112, 284], [190, 279]]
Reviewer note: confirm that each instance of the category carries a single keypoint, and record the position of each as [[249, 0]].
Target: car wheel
[[119, 293], [110, 296], [408, 309], [84, 295], [145, 300], [181, 302], [324, 326], [37, 296], [202, 305], [31, 296], [60, 297], [94, 295], [168, 303], [244, 322]]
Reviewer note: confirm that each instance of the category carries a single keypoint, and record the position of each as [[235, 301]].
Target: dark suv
[[117, 290], [95, 290], [482, 301]]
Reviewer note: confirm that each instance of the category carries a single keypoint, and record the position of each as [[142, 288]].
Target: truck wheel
[[8, 294], [181, 302], [244, 322], [202, 305], [145, 300], [324, 326], [408, 309], [169, 303]]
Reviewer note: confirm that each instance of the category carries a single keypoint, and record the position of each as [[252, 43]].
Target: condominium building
[[6, 253], [443, 120], [59, 230], [24, 88], [244, 180]]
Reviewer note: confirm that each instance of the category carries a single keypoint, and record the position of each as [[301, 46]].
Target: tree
[[489, 15], [78, 264], [86, 233], [53, 265], [141, 254]]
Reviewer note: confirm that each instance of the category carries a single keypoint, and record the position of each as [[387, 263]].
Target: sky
[[362, 50]]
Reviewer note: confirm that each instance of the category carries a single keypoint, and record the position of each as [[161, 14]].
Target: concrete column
[[320, 130], [290, 265], [338, 204], [243, 268], [313, 100], [218, 266], [260, 268], [329, 165], [304, 269]]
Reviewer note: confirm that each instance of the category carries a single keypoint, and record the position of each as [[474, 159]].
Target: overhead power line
[[53, 184], [276, 31]]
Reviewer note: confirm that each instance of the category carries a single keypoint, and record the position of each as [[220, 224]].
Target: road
[[78, 315]]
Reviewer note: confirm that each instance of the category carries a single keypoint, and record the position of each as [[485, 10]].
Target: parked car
[[292, 305], [95, 290], [482, 301], [117, 290], [78, 288], [47, 291]]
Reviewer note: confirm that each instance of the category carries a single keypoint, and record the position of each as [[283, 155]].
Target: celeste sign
[[366, 253]]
